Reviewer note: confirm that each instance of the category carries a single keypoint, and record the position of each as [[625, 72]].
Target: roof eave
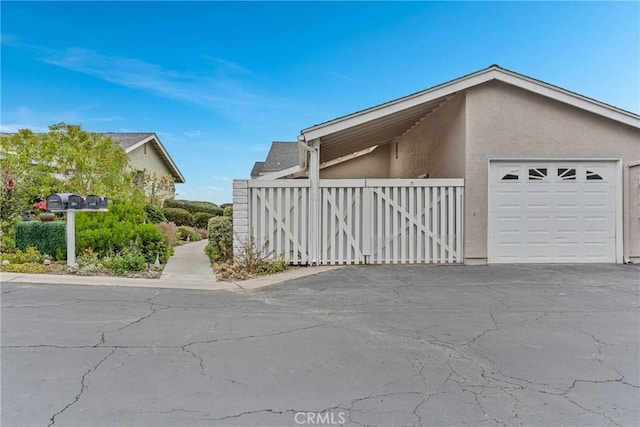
[[463, 83]]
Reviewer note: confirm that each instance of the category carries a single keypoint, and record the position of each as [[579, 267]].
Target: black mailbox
[[58, 202], [75, 202], [92, 202], [66, 201]]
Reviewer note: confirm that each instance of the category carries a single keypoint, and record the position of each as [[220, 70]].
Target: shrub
[[28, 268], [7, 235], [154, 214], [203, 233], [228, 210], [186, 232], [29, 255], [201, 219], [48, 237], [170, 231], [123, 226], [150, 241], [194, 207], [88, 264], [220, 231], [131, 259], [178, 215]]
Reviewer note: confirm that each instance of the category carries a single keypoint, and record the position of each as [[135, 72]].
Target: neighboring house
[[493, 167], [153, 164], [282, 155]]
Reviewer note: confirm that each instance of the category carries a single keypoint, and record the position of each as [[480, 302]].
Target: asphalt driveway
[[374, 346]]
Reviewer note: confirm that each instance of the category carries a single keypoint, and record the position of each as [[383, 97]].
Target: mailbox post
[[71, 203]]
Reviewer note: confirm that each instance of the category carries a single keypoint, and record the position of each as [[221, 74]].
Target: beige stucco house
[[548, 175], [150, 159]]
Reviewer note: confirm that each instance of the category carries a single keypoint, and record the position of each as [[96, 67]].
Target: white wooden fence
[[359, 221]]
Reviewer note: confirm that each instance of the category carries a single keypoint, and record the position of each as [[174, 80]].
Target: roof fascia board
[[388, 108], [570, 98]]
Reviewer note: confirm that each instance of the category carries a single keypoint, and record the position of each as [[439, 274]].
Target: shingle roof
[[282, 155], [257, 168], [126, 140]]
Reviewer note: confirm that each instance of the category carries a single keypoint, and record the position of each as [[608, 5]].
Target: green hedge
[[48, 237], [194, 207], [178, 216], [201, 219]]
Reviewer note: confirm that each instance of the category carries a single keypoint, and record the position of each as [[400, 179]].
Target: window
[[592, 176], [511, 176], [567, 174], [537, 174]]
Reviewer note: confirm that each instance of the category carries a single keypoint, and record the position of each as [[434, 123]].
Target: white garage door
[[543, 212]]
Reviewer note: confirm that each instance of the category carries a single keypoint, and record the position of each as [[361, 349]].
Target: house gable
[[153, 157], [385, 123]]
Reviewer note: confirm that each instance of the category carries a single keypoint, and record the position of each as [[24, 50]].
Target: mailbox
[[75, 202], [58, 201], [69, 201], [92, 202]]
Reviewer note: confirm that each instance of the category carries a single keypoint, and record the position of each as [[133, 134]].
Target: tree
[[67, 159], [156, 188]]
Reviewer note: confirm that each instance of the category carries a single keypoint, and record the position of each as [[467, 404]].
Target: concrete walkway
[[189, 263]]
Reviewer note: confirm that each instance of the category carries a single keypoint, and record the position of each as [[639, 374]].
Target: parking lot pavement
[[368, 345]]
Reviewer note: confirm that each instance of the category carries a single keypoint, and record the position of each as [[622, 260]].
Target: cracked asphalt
[[357, 346]]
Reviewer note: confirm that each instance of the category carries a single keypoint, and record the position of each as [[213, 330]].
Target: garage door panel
[[539, 200], [602, 198], [552, 212], [508, 199]]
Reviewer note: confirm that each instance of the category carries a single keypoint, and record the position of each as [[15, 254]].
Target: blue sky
[[218, 81]]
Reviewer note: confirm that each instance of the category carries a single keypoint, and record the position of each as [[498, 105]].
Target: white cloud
[[221, 89]]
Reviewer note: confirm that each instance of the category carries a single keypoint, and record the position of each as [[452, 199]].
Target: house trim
[[450, 88]]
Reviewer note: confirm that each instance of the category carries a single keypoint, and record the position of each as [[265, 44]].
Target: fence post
[[240, 215]]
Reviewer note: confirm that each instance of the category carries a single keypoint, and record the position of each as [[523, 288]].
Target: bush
[[178, 216], [131, 259], [123, 226], [47, 237], [228, 211], [88, 264], [201, 219], [29, 255], [7, 235], [154, 214], [151, 243], [220, 231], [170, 231], [194, 207], [186, 232]]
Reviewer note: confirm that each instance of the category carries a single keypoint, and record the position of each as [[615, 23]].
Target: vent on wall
[[396, 151]]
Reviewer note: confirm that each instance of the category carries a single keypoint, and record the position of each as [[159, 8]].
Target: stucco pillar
[[240, 215]]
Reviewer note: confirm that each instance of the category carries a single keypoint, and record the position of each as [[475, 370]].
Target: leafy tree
[[66, 159]]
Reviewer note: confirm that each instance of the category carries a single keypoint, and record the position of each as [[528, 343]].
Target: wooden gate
[[359, 221]]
